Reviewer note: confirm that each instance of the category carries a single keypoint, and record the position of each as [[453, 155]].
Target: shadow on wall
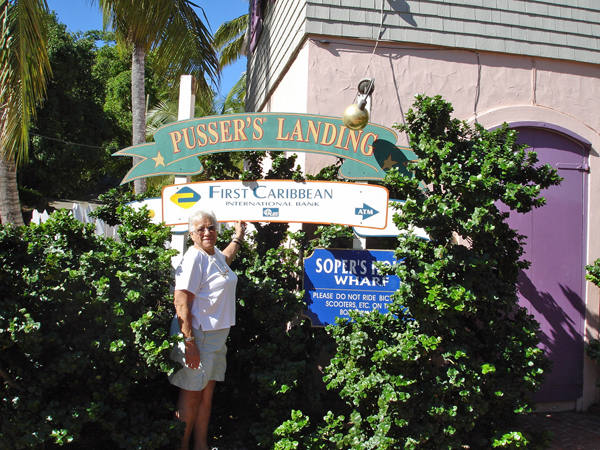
[[403, 10], [560, 337]]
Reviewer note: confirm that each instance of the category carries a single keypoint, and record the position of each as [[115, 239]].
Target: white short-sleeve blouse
[[213, 284]]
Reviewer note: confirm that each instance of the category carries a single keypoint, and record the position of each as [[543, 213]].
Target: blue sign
[[338, 281]]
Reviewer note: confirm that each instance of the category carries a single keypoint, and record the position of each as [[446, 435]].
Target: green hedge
[[83, 336], [453, 364], [83, 332]]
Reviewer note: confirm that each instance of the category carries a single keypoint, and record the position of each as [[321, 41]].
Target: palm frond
[[181, 41], [24, 71], [229, 39], [167, 112], [235, 101], [162, 114]]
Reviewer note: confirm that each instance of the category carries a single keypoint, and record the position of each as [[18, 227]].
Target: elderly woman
[[205, 305]]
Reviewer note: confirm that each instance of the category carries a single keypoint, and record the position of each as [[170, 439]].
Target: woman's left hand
[[240, 229]]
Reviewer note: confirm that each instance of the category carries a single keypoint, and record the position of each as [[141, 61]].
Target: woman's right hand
[[183, 307], [192, 355]]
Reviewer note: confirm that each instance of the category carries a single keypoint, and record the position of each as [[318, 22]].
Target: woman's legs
[[187, 410], [193, 408], [203, 417]]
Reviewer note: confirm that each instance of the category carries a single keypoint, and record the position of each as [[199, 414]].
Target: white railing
[[82, 214]]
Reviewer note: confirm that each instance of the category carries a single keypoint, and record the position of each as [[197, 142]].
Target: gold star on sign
[[160, 161], [389, 162]]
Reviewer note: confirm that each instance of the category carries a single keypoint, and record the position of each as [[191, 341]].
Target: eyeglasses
[[210, 229]]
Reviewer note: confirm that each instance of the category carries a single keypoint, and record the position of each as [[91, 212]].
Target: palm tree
[[235, 101], [181, 42], [24, 71], [230, 42], [166, 112]]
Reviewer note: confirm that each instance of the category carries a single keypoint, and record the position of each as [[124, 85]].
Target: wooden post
[[187, 102]]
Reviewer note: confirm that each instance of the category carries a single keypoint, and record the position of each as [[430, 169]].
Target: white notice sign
[[324, 202]]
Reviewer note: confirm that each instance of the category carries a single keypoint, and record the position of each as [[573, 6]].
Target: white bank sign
[[279, 201]]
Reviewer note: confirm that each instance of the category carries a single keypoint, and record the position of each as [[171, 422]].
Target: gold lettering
[[175, 139], [258, 131], [325, 140], [314, 131], [212, 130], [297, 132], [363, 144], [355, 139], [238, 130], [225, 135], [280, 136], [202, 138], [190, 141], [338, 144]]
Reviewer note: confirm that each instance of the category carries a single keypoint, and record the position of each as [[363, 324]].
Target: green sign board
[[368, 153]]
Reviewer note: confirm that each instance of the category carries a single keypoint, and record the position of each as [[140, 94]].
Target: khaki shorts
[[213, 363]]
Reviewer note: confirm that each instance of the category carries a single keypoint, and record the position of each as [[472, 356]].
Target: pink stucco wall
[[473, 83], [489, 88]]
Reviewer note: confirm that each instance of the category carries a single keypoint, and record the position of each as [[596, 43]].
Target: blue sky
[[78, 15]]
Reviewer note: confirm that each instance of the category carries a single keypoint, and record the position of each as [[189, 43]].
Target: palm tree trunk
[[10, 206], [138, 107]]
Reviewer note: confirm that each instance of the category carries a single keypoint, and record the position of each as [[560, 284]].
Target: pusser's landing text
[[239, 130], [368, 153]]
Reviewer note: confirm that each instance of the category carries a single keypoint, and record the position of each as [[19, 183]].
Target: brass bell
[[355, 117]]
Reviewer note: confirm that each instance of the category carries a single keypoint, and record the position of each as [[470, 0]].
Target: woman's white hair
[[199, 216]]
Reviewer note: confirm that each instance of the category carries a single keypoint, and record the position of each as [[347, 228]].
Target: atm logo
[[186, 198]]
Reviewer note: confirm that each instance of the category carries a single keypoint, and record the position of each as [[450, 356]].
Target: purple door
[[552, 289]]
